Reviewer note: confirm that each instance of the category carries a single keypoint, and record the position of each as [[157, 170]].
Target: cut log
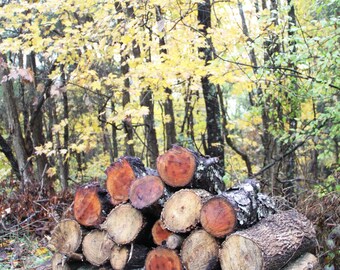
[[159, 233], [199, 251], [128, 257], [66, 237], [270, 244], [91, 204], [97, 247], [146, 191], [306, 262], [174, 241], [66, 262], [123, 224], [120, 176], [179, 167], [181, 212], [250, 205], [218, 216], [163, 258]]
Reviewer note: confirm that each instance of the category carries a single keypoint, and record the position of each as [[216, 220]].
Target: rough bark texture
[[120, 176], [97, 247], [163, 258], [306, 262], [66, 237], [91, 204], [181, 213], [270, 244], [123, 224], [199, 251], [249, 204]]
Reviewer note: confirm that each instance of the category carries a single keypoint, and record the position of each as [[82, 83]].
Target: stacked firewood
[[179, 217]]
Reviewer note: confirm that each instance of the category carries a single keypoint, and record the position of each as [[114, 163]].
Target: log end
[[159, 233], [176, 167], [146, 191], [119, 257], [163, 258], [218, 217], [120, 176]]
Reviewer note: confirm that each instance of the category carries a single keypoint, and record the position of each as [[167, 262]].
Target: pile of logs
[[179, 217]]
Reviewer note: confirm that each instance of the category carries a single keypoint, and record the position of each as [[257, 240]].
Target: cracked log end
[[181, 212], [176, 167], [88, 206], [163, 258], [66, 237], [218, 217], [97, 247], [146, 191], [123, 224], [120, 176]]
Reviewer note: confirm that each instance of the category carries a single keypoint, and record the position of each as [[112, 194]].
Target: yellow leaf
[[40, 251]]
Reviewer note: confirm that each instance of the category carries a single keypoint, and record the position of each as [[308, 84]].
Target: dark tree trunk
[[7, 151], [14, 126], [214, 130]]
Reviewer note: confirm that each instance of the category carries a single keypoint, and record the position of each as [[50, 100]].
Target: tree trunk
[[270, 244], [7, 151], [214, 131], [25, 166]]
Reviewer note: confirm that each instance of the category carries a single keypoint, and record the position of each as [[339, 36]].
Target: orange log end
[[119, 179], [159, 233], [162, 258]]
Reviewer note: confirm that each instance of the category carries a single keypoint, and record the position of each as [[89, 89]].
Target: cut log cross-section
[[159, 233], [66, 237], [123, 224], [199, 251], [120, 176], [97, 247], [270, 244], [91, 204], [128, 257], [163, 258]]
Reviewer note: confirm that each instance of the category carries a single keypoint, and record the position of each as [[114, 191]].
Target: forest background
[[255, 83]]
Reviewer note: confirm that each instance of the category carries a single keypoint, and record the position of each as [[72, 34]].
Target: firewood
[[179, 167], [306, 262], [128, 257], [199, 251], [163, 258], [66, 237], [91, 204], [270, 244], [146, 191], [181, 212], [66, 262], [120, 176], [218, 216], [97, 247], [159, 233], [123, 224], [174, 241]]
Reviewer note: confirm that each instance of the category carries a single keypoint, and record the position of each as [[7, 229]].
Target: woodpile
[[179, 217]]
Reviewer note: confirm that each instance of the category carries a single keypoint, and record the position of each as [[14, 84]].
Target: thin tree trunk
[[14, 126], [214, 130], [5, 148]]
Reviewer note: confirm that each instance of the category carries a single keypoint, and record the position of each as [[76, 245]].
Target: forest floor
[[23, 249]]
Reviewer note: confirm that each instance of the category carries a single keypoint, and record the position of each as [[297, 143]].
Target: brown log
[[163, 258], [159, 233], [270, 244], [97, 247], [123, 224], [218, 216], [146, 191], [128, 257], [120, 176], [306, 262], [62, 262], [91, 204], [179, 167], [66, 237], [181, 212], [199, 251]]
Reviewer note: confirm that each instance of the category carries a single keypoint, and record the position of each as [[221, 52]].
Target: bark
[[128, 257], [25, 167], [163, 258], [199, 251], [123, 224], [91, 204], [214, 130], [270, 244], [5, 148]]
